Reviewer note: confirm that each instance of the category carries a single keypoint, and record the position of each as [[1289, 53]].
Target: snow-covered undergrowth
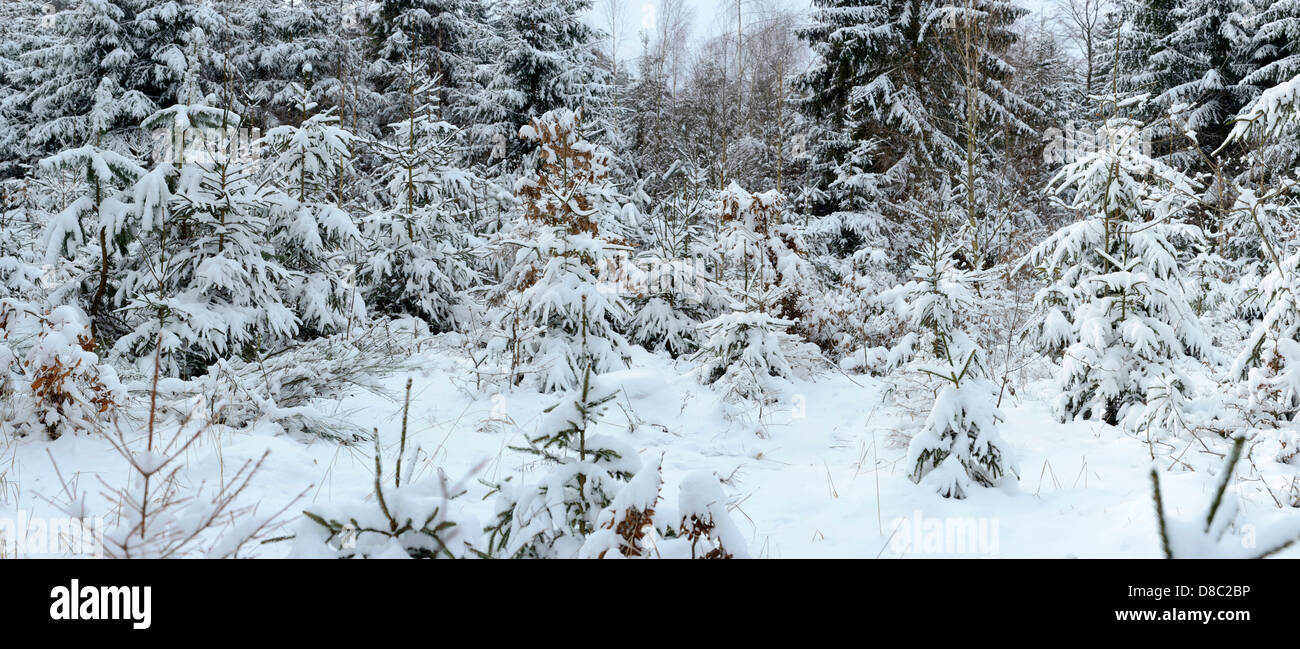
[[827, 476]]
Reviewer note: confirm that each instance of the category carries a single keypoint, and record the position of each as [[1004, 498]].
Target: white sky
[[709, 18]]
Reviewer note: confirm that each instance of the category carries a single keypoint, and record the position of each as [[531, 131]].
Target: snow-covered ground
[[820, 476]]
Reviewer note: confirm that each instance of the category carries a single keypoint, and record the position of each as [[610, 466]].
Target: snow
[[609, 313], [829, 481]]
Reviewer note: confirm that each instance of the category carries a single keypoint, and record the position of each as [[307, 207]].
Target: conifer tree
[[1116, 314], [313, 235], [540, 56], [671, 286], [550, 301], [1193, 70], [553, 517], [892, 91], [93, 228], [958, 447], [439, 34], [204, 281], [417, 257], [746, 349], [81, 87]]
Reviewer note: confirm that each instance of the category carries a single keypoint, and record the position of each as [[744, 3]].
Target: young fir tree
[[1115, 311], [553, 517], [20, 254], [205, 280], [91, 229], [313, 235], [746, 350], [550, 311], [1268, 367], [670, 286], [418, 258], [958, 448]]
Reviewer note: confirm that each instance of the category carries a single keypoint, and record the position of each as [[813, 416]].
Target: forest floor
[[821, 476]]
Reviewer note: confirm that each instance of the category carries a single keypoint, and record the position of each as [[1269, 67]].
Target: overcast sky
[[709, 18]]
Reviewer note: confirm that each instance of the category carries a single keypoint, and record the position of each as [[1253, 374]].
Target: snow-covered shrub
[[1115, 313], [204, 279], [21, 269], [958, 446], [551, 314], [864, 328], [51, 381], [705, 524], [1210, 286], [623, 527], [748, 350], [552, 517], [745, 355], [418, 255], [311, 232], [421, 520], [636, 525]]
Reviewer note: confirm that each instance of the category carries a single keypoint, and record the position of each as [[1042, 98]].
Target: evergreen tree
[[747, 350], [281, 46], [440, 34], [549, 310], [670, 286], [417, 257], [94, 227], [898, 91], [1264, 223], [958, 447], [1193, 70], [313, 235], [553, 517], [1115, 312], [177, 43], [25, 26], [81, 86], [1276, 44], [540, 56], [205, 281]]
